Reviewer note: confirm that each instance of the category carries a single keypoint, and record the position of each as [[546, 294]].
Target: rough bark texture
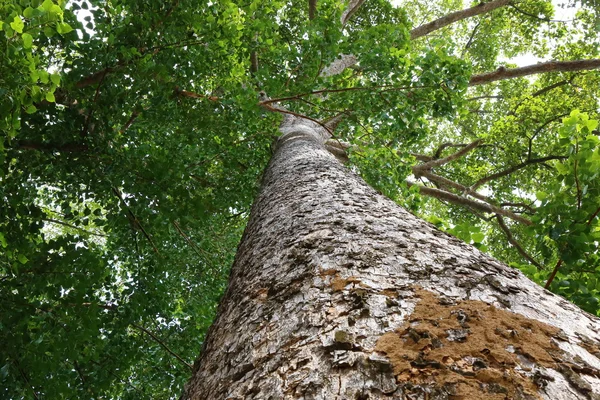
[[338, 293]]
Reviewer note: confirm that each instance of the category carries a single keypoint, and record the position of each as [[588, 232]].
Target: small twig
[[93, 106], [577, 185], [18, 365], [129, 122], [553, 274], [134, 220], [516, 244], [164, 346], [514, 168], [593, 216], [470, 41], [55, 221], [187, 239]]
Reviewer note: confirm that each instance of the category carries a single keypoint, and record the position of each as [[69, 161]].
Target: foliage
[[133, 143]]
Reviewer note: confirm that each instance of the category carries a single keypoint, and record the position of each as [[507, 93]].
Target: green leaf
[[47, 5], [3, 242], [43, 76], [28, 12], [55, 78], [27, 40], [17, 24], [50, 97], [63, 28], [477, 237], [540, 195], [22, 259], [31, 109]]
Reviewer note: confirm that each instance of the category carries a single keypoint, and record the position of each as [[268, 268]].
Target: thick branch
[[451, 18], [464, 202], [353, 7], [551, 66], [514, 242], [514, 168], [164, 346], [312, 9], [446, 160], [449, 183]]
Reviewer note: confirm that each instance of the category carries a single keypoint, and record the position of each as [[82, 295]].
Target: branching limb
[[451, 18], [446, 160], [551, 66], [551, 87], [312, 9], [514, 168], [470, 41], [511, 239], [445, 182], [464, 202], [353, 7]]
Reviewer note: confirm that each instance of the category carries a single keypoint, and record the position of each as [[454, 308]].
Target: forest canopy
[[134, 135]]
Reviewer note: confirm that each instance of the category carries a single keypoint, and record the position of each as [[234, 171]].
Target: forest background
[[134, 138]]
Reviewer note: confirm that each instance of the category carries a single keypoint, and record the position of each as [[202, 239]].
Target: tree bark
[[338, 293]]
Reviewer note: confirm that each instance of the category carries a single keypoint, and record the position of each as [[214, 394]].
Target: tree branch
[[550, 66], [553, 274], [451, 18], [445, 160], [129, 122], [464, 202], [470, 41], [134, 220], [55, 221], [164, 346], [514, 168], [353, 7], [444, 146], [449, 183], [514, 242], [551, 87], [312, 9]]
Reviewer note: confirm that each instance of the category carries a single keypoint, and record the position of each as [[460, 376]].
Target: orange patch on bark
[[471, 347]]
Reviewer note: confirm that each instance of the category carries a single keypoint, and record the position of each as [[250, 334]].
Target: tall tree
[[338, 293], [133, 144]]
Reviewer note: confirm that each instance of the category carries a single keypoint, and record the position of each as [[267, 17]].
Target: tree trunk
[[338, 293]]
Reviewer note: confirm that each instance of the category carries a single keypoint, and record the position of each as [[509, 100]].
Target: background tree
[[133, 144]]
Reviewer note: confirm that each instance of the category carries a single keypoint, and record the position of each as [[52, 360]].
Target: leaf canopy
[[133, 143]]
